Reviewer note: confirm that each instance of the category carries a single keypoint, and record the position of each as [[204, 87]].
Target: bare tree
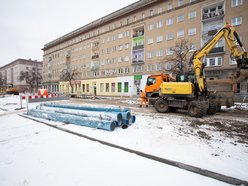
[[69, 75], [2, 82], [32, 77], [180, 56]]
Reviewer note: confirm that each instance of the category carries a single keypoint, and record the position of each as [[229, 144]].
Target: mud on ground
[[228, 123]]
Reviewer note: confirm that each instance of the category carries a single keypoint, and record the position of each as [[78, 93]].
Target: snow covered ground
[[34, 154]]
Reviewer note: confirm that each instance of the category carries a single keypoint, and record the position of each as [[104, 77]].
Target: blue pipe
[[114, 116], [98, 109], [77, 120]]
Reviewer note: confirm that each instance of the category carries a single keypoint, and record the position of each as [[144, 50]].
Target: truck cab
[[153, 85]]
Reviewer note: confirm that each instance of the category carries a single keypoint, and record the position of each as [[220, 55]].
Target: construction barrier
[[30, 97]]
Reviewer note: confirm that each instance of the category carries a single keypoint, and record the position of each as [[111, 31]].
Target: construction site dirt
[[230, 123]]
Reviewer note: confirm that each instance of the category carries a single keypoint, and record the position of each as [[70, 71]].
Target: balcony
[[138, 33], [209, 33], [137, 61], [213, 15], [94, 68], [217, 50], [95, 56], [137, 47]]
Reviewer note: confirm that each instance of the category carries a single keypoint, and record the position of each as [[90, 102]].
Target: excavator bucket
[[243, 75]]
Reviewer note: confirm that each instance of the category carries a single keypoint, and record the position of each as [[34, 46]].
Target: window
[[169, 7], [192, 15], [159, 66], [160, 10], [119, 87], [159, 39], [169, 21], [120, 47], [192, 47], [150, 26], [149, 55], [120, 35], [126, 34], [114, 60], [192, 31], [149, 40], [119, 59], [126, 58], [126, 45], [160, 24], [159, 53], [107, 87], [112, 87], [214, 61], [150, 67], [237, 2], [237, 21], [108, 51], [125, 87], [180, 33], [113, 37], [180, 2], [143, 15], [87, 87], [169, 51], [114, 48], [232, 61], [138, 68], [134, 18], [180, 18], [169, 36], [120, 71], [151, 12]]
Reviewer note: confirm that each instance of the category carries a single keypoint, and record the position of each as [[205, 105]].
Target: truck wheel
[[212, 109], [161, 105], [218, 108], [197, 109], [173, 109]]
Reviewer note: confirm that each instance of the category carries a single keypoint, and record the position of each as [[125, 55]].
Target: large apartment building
[[10, 73], [114, 54]]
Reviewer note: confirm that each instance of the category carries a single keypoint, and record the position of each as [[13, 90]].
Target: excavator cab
[[186, 77]]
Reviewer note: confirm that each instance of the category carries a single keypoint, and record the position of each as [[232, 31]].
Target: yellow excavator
[[194, 95]]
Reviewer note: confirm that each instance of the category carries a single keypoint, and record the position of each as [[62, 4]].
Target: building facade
[[10, 73], [114, 54]]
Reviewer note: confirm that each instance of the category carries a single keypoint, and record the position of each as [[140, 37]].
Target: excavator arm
[[231, 37]]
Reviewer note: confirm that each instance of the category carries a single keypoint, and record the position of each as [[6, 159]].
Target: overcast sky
[[27, 25]]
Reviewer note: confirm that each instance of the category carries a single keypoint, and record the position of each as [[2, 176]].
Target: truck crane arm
[[231, 37]]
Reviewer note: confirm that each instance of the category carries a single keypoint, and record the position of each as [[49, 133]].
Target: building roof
[[121, 12], [21, 61]]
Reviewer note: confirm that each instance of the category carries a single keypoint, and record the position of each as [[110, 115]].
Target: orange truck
[[152, 86]]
